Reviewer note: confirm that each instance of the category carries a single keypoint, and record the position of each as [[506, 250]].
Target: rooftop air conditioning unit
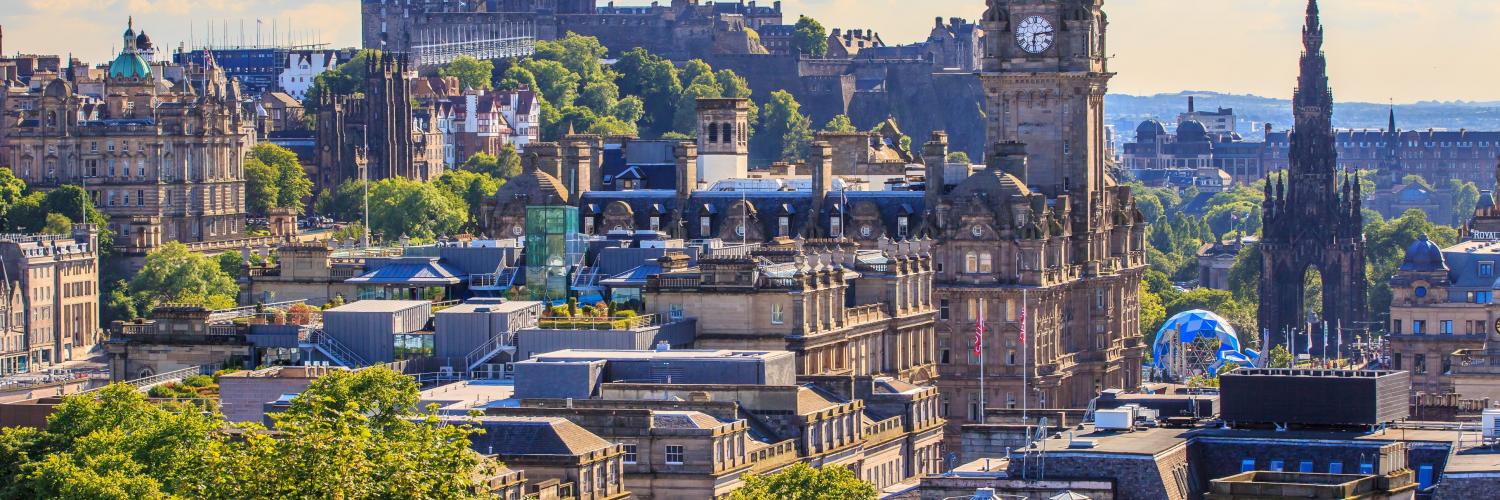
[[1117, 419], [1491, 422]]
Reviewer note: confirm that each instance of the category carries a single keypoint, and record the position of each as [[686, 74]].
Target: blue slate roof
[[418, 271], [769, 206]]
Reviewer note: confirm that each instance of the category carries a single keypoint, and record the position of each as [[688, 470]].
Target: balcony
[[864, 314]]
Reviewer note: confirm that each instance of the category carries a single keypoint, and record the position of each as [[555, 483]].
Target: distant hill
[[1252, 112]]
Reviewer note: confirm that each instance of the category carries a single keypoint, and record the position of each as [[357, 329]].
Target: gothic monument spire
[[1320, 225]]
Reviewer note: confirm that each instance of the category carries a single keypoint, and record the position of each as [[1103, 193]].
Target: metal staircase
[[504, 342], [501, 280], [336, 350]]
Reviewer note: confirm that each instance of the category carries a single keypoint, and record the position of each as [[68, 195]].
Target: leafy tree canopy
[[840, 123], [471, 73], [810, 38], [803, 482], [292, 184]]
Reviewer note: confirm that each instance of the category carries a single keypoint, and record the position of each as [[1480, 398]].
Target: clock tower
[[1045, 76]]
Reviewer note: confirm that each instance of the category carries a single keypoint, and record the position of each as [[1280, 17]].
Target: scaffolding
[[439, 44]]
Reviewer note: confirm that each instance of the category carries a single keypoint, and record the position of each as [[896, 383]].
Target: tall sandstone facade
[[1043, 226]]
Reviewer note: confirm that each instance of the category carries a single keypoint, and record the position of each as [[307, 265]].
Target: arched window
[[713, 133], [986, 264], [971, 263], [728, 133]]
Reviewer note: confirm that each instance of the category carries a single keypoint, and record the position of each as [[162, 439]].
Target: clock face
[[739, 230], [865, 231], [1034, 35], [977, 231], [516, 230]]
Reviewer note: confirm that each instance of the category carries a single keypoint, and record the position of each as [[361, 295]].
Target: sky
[[1379, 50]]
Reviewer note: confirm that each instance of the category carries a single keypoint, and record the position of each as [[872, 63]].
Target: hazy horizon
[[1378, 50]]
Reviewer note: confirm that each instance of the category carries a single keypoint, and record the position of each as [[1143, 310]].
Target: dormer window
[[705, 226], [1486, 269], [836, 226]]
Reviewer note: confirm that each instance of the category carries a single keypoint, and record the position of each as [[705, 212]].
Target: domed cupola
[[1424, 256], [1192, 131], [129, 64], [1149, 131]]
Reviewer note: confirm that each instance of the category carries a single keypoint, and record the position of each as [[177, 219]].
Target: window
[[1424, 477], [1247, 465], [836, 226], [973, 310], [655, 223], [971, 263], [674, 454], [986, 264], [902, 227], [1419, 364], [1335, 467], [777, 316], [1486, 269], [1447, 326], [705, 227], [942, 308], [1305, 466], [674, 311], [1447, 365], [1418, 327], [588, 225], [1396, 360], [140, 197], [1276, 465], [943, 356], [630, 454], [1483, 297], [783, 226], [1421, 291], [1396, 325]]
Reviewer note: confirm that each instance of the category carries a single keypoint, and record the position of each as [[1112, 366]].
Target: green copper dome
[[129, 65]]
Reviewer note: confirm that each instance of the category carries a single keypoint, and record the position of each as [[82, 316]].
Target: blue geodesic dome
[[1194, 325]]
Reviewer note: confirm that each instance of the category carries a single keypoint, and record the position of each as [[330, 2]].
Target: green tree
[[580, 54], [58, 224], [471, 73], [418, 210], [1465, 200], [12, 190], [260, 187], [1385, 245], [348, 435], [516, 77], [961, 158], [697, 72], [1416, 179], [785, 133], [1279, 357], [292, 184], [30, 213], [809, 37], [1153, 313], [840, 123], [360, 435], [803, 482], [1219, 302], [347, 78], [654, 80], [600, 95], [472, 188], [555, 82], [171, 273]]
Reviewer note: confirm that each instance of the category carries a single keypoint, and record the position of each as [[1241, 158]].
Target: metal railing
[[495, 345], [226, 315], [592, 323], [160, 378], [336, 350]]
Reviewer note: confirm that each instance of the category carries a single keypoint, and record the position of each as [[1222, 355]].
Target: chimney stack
[[820, 157], [935, 157], [1009, 157], [1190, 104]]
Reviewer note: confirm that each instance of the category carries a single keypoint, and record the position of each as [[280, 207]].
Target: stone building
[[693, 421], [50, 296], [1442, 301], [1308, 222], [13, 355], [378, 131], [162, 158], [843, 311], [554, 449], [956, 45]]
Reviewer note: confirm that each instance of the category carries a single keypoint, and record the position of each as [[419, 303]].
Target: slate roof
[[810, 399], [421, 271], [519, 436], [684, 420]]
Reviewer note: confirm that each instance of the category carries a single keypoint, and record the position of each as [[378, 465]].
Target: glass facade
[[552, 249]]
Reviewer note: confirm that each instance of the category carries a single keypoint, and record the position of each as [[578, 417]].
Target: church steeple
[[1390, 127]]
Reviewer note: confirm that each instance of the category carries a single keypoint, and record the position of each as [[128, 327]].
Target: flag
[[1341, 333], [1022, 319], [979, 333]]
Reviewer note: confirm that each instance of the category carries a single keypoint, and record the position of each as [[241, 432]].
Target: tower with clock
[[1045, 76]]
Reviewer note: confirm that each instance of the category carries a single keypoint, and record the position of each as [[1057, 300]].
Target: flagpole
[[1025, 396], [979, 346]]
